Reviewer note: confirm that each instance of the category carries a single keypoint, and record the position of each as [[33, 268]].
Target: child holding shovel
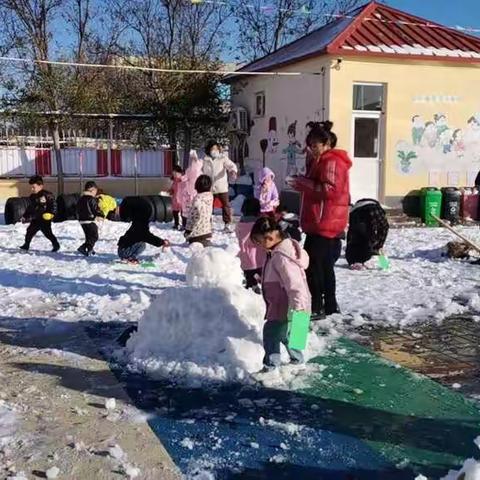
[[284, 287]]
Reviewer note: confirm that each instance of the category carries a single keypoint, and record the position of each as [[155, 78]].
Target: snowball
[[456, 386], [131, 471], [214, 267], [254, 445], [52, 472], [187, 443], [116, 452], [110, 404]]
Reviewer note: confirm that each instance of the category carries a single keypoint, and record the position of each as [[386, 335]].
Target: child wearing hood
[[193, 171], [266, 191], [176, 191], [252, 257], [284, 287]]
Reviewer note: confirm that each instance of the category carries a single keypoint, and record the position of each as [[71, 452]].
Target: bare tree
[[174, 34], [31, 29], [264, 29]]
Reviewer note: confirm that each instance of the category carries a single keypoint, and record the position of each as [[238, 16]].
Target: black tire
[[167, 203], [67, 207], [133, 208], [159, 207], [15, 208]]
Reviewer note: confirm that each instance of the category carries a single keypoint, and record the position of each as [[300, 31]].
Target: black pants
[[251, 281], [176, 219], [226, 209], [91, 235], [323, 253], [43, 226]]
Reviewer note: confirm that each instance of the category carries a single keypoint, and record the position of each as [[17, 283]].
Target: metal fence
[[21, 162]]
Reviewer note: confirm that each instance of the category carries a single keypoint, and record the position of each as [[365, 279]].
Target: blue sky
[[465, 13]]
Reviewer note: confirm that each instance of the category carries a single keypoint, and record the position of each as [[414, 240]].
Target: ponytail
[[321, 132]]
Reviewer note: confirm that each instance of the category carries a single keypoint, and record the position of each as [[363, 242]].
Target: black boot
[[56, 247], [82, 250], [25, 247]]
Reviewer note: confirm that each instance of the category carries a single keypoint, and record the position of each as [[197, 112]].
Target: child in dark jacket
[[133, 243], [40, 212], [88, 211], [367, 232], [252, 257]]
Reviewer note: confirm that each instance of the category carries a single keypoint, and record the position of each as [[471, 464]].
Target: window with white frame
[[260, 104]]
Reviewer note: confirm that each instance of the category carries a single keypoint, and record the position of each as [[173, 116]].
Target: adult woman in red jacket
[[325, 203]]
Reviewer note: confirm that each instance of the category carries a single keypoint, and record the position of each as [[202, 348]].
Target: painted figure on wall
[[418, 127], [272, 135], [429, 137], [436, 146], [440, 123], [293, 149], [458, 145]]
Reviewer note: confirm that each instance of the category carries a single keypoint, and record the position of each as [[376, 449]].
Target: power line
[[154, 69]]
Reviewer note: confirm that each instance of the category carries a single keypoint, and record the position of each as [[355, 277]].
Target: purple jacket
[[251, 256], [267, 194], [284, 283]]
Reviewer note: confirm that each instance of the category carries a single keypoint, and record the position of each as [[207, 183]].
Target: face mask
[[215, 154]]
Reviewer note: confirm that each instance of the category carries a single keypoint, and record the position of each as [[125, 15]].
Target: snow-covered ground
[[421, 284], [42, 290]]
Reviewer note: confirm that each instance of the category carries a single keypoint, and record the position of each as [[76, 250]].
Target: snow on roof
[[376, 30]]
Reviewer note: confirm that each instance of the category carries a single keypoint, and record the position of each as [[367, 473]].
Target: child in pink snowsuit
[[193, 171], [176, 191], [266, 191], [284, 287], [252, 257]]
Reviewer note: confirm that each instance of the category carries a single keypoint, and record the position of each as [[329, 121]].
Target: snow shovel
[[298, 328], [459, 235], [147, 264], [383, 261]]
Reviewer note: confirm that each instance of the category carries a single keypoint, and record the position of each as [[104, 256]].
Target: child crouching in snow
[[284, 287], [133, 243], [199, 223], [252, 256]]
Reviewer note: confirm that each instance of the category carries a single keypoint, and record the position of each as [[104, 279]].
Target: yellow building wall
[[415, 88], [117, 187]]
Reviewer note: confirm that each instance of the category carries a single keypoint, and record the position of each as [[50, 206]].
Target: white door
[[366, 147]]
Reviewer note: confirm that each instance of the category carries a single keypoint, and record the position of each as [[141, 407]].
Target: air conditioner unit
[[238, 120]]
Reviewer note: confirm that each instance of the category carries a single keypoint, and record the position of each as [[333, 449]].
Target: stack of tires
[[67, 207], [15, 209], [150, 208]]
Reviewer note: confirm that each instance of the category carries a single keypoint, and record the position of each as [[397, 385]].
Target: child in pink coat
[[266, 191], [284, 287], [193, 171], [176, 191], [252, 257]]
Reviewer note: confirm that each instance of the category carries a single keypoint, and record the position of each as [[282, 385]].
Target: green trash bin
[[430, 204]]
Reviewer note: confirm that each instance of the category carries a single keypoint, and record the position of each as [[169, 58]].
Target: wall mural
[[293, 149], [437, 145]]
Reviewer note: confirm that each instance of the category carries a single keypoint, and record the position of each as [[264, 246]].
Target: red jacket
[[326, 195]]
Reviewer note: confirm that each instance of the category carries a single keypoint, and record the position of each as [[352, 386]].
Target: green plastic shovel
[[148, 264], [298, 328], [383, 262]]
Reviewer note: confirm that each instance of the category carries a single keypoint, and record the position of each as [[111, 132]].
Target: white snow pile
[[8, 424], [209, 331]]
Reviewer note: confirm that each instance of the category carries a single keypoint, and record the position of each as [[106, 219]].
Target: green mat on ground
[[408, 418]]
